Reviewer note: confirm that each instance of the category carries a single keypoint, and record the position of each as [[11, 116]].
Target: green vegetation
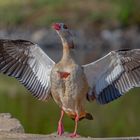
[[119, 118], [38, 13]]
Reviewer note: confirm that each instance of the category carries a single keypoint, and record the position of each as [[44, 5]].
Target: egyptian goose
[[67, 82]]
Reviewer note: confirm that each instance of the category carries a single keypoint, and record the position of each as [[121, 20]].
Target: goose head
[[64, 33]]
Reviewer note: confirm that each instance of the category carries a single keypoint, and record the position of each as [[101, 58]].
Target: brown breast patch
[[63, 75]]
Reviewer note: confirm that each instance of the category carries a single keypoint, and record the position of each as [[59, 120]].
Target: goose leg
[[74, 134], [60, 129]]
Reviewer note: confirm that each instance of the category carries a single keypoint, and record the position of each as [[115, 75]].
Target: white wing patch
[[29, 64], [113, 75]]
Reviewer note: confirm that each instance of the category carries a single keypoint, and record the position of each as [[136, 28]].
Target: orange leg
[[74, 134], [60, 129]]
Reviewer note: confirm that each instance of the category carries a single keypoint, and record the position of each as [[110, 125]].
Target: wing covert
[[28, 63], [113, 75]]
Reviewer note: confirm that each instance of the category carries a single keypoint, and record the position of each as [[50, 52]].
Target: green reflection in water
[[119, 118]]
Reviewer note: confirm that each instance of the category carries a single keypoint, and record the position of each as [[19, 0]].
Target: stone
[[10, 124], [11, 129]]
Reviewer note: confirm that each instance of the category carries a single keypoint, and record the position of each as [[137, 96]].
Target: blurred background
[[98, 26]]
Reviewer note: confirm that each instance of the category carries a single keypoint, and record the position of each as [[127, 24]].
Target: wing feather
[[113, 75], [27, 62]]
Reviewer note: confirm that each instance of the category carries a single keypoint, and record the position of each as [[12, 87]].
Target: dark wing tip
[[17, 41], [123, 50], [89, 116], [107, 96]]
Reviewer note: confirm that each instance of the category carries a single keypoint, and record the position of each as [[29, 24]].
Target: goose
[[68, 83]]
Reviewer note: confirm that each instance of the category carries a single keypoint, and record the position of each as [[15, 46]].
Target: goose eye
[[65, 27]]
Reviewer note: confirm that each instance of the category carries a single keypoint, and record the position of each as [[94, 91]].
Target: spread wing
[[27, 62], [113, 75]]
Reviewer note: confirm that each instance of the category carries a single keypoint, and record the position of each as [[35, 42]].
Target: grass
[[40, 13], [119, 118]]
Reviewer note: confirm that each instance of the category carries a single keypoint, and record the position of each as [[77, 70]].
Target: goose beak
[[56, 26]]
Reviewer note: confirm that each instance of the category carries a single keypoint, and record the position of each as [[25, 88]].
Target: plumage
[[68, 83], [114, 74], [27, 62]]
